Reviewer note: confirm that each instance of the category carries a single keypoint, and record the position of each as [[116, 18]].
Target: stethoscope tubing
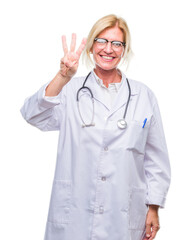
[[127, 104], [92, 97], [84, 87]]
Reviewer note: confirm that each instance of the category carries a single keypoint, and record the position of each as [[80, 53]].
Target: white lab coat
[[105, 177]]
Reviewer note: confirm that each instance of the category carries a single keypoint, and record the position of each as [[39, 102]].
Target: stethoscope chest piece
[[122, 124]]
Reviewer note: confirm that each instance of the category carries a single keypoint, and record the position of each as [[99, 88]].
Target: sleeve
[[44, 112], [157, 165]]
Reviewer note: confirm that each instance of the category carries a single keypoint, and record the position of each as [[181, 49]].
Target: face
[[106, 58]]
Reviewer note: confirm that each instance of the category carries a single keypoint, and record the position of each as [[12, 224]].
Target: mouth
[[107, 58]]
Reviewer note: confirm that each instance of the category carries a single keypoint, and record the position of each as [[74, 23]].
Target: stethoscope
[[121, 123]]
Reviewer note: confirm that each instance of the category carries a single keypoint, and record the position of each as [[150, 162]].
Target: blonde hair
[[102, 24]]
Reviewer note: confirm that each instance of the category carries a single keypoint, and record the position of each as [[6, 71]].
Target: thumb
[[148, 230]]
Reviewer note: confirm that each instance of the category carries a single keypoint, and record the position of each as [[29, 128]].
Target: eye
[[116, 44], [100, 40]]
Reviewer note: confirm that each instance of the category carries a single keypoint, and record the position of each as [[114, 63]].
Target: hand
[[69, 63], [152, 222]]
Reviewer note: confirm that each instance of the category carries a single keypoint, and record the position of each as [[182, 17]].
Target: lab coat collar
[[121, 97]]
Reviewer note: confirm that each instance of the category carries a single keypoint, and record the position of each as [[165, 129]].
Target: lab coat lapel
[[123, 94], [97, 91]]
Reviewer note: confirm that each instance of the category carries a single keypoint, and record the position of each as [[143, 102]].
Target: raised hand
[[69, 63], [68, 66]]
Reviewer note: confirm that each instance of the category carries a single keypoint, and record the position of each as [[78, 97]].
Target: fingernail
[[147, 235]]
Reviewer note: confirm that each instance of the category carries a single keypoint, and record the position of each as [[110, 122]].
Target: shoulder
[[76, 80], [75, 83], [138, 86], [142, 90]]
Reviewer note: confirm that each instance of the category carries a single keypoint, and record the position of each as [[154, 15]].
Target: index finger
[[64, 44], [81, 47]]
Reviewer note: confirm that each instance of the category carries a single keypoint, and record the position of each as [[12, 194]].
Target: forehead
[[112, 33]]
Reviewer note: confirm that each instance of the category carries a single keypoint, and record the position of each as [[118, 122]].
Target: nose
[[108, 48]]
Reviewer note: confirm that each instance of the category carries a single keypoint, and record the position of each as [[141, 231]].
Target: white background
[[30, 51]]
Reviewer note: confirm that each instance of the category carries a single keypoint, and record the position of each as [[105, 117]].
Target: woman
[[111, 176]]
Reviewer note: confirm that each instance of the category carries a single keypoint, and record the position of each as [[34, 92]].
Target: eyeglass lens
[[101, 43]]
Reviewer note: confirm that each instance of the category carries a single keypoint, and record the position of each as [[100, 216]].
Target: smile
[[107, 57]]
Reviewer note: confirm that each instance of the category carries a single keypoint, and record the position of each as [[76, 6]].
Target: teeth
[[107, 57]]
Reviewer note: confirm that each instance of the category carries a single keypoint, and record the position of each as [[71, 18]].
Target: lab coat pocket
[[137, 210], [137, 136], [60, 202]]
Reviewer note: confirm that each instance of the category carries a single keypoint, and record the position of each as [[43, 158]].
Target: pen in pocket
[[144, 122]]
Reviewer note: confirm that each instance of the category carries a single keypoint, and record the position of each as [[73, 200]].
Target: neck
[[108, 76]]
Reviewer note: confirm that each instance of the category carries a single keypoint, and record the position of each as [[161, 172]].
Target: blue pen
[[144, 122]]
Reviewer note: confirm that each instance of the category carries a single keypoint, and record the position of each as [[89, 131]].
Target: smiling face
[[106, 58]]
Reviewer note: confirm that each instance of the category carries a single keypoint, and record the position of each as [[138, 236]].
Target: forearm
[[56, 85]]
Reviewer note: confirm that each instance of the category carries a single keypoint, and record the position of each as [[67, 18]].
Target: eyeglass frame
[[123, 43]]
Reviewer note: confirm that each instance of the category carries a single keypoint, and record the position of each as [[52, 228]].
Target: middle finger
[[73, 43]]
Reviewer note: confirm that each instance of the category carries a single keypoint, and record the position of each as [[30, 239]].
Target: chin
[[105, 68], [107, 65]]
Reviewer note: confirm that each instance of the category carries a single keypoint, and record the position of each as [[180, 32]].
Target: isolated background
[[30, 52]]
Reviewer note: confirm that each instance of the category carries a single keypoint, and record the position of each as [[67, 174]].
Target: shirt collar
[[115, 86]]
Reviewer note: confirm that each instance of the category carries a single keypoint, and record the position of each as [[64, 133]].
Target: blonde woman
[[112, 172]]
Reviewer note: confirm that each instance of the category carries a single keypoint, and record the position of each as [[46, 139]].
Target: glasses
[[116, 45]]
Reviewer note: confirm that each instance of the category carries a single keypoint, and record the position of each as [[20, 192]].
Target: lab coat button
[[101, 210], [103, 178], [106, 148]]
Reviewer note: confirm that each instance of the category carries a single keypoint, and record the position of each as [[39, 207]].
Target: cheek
[[95, 54], [95, 51]]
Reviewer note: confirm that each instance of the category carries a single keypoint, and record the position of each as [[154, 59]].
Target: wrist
[[153, 207], [62, 77]]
